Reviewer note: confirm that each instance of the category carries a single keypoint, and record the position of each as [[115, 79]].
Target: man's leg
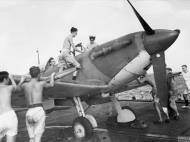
[[11, 138], [1, 138], [157, 108], [174, 107], [38, 138], [165, 110], [31, 140], [30, 129], [71, 60], [185, 100]]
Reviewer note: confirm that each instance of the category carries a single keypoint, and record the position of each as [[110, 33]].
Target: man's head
[[92, 39], [184, 68], [34, 72], [168, 70], [74, 31], [4, 77], [51, 61]]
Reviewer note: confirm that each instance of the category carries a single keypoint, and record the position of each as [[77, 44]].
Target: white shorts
[[69, 58], [35, 121], [8, 124]]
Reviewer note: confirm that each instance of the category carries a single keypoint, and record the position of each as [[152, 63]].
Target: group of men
[[171, 111], [35, 115], [68, 46]]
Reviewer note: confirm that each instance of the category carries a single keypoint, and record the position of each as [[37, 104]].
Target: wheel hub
[[79, 130]]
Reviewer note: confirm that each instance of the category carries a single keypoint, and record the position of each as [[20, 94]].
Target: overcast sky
[[28, 25]]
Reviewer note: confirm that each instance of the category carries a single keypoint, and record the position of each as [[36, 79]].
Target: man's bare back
[[33, 90], [5, 98], [5, 95]]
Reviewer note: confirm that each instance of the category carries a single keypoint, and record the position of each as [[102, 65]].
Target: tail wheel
[[82, 128]]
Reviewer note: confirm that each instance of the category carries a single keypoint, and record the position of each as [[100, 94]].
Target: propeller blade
[[146, 27], [159, 67]]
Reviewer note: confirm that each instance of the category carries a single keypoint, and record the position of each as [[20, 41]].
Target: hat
[[92, 37]]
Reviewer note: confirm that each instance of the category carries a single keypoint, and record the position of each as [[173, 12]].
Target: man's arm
[[14, 86], [19, 86], [73, 46], [51, 84]]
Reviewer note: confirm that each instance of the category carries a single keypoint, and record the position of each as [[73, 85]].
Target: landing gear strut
[[84, 124], [127, 116]]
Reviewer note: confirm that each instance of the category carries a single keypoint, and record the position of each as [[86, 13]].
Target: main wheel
[[82, 128]]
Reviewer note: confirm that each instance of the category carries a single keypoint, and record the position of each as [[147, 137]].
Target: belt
[[35, 105]]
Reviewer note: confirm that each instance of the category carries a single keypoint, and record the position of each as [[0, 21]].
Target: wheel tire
[[82, 128]]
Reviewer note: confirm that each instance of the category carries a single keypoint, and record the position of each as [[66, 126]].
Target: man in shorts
[[150, 81], [8, 118], [35, 116], [67, 45], [186, 76], [172, 96], [66, 51]]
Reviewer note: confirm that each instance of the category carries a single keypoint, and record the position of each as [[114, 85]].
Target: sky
[[28, 25]]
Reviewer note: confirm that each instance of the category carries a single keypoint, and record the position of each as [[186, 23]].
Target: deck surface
[[55, 131]]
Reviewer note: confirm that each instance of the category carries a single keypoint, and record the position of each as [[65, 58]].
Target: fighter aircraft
[[110, 66]]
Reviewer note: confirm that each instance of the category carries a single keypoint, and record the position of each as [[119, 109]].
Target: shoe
[[176, 117], [74, 78], [158, 122], [167, 121]]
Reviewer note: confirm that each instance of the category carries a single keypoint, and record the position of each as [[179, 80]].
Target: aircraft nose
[[160, 41], [177, 30]]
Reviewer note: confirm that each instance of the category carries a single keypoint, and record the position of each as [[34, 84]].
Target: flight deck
[[58, 125]]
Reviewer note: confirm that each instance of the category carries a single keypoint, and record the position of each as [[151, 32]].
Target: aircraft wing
[[68, 89], [132, 85], [45, 77]]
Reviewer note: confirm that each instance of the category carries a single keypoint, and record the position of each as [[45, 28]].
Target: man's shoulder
[[6, 87], [69, 37]]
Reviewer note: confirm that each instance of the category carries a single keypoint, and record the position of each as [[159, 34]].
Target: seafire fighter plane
[[111, 65]]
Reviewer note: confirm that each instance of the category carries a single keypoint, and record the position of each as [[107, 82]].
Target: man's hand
[[12, 81], [10, 76], [53, 75], [23, 78]]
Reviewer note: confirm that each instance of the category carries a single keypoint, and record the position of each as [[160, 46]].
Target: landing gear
[[84, 124]]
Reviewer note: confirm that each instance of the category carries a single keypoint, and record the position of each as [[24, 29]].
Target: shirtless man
[[8, 118], [35, 116], [150, 81], [172, 90]]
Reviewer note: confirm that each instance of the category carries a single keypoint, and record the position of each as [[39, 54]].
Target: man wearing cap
[[186, 76], [92, 43]]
